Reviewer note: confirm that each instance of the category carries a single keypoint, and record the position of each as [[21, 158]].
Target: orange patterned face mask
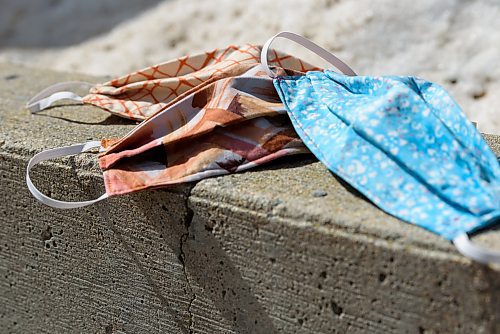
[[143, 93], [206, 115]]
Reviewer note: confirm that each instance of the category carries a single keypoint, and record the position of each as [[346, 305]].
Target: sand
[[451, 42]]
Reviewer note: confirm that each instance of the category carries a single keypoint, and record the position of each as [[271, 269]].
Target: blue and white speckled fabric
[[402, 142]]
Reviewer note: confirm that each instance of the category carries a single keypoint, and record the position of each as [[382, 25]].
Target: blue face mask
[[401, 141]]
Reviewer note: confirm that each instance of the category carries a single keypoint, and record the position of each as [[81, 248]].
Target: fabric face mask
[[402, 142], [220, 127], [143, 93]]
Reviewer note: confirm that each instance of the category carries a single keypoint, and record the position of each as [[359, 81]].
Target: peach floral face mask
[[206, 115]]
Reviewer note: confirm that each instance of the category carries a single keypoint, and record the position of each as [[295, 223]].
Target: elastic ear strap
[[329, 57], [57, 92], [57, 153], [477, 253]]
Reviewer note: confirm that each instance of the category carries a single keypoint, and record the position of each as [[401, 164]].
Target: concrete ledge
[[286, 248]]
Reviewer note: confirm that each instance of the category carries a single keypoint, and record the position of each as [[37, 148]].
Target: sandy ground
[[455, 43]]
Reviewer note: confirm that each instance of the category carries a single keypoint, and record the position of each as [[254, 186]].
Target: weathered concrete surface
[[286, 248]]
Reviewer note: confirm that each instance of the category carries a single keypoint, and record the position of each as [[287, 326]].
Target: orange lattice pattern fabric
[[143, 93]]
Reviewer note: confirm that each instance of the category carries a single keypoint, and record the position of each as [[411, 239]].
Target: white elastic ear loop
[[477, 253], [57, 153], [55, 93], [329, 57]]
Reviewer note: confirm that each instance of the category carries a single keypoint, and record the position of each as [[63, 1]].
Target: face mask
[[402, 142], [219, 127], [143, 93]]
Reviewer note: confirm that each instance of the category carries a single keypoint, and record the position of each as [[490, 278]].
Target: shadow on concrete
[[210, 274], [350, 188], [110, 120], [212, 270], [302, 160], [493, 226], [171, 230], [287, 162], [57, 23]]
